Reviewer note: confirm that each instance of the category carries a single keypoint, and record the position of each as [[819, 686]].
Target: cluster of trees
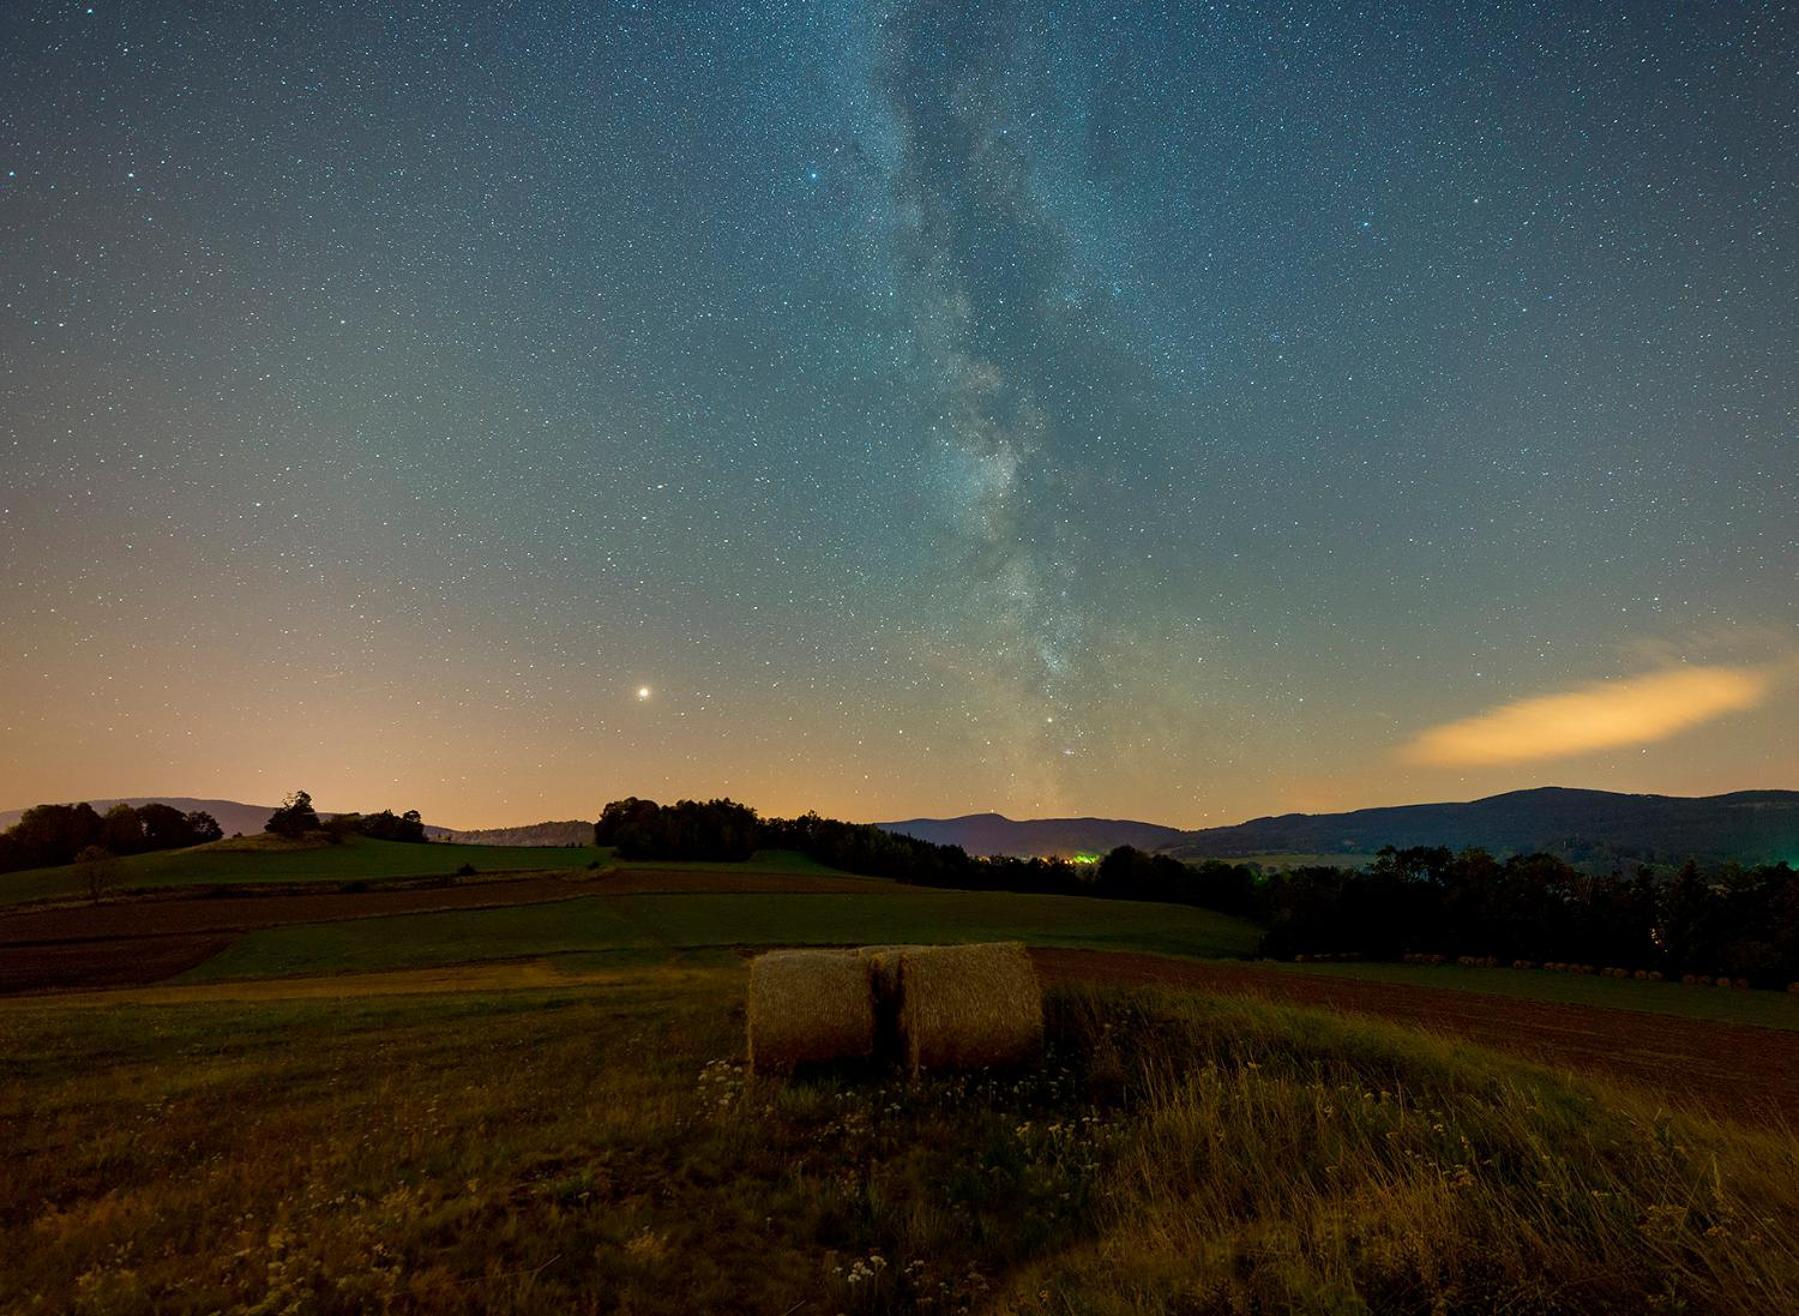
[[1743, 922], [296, 817], [64, 833], [715, 830]]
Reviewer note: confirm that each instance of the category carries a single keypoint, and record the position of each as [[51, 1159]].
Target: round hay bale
[[969, 1006], [807, 1006]]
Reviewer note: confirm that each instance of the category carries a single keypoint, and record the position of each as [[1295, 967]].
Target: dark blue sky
[[938, 407]]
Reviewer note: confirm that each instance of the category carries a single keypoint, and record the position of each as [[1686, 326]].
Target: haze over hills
[[1751, 826], [232, 815], [993, 833]]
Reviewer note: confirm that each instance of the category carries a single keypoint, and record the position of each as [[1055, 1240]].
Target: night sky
[[1175, 412]]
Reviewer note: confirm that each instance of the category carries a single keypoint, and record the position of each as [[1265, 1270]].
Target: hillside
[[992, 833], [1750, 826], [573, 832], [233, 815]]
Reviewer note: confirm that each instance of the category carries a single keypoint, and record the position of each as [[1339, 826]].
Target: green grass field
[[600, 1147], [357, 859], [667, 922], [1766, 1008]]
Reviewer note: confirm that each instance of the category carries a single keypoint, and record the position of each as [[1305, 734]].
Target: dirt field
[[147, 940], [243, 910], [1728, 1069], [83, 965]]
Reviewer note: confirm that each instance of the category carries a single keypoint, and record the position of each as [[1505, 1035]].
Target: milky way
[[1169, 411]]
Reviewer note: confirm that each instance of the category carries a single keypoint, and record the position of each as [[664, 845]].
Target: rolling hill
[[992, 833]]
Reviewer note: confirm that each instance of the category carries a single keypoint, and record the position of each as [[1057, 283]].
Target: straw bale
[[969, 1006], [807, 1006]]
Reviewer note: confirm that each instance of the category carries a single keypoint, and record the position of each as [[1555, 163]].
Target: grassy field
[[1766, 1008], [661, 922], [599, 1147], [357, 858]]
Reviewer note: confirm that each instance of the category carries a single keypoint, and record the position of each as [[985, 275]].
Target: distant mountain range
[[1752, 826], [1580, 825], [992, 833], [233, 816]]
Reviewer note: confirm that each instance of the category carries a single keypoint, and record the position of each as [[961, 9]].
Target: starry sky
[[1182, 412]]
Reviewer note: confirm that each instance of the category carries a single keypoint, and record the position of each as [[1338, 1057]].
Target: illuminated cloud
[[1610, 714]]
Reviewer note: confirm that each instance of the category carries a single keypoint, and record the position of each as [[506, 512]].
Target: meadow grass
[[1767, 1008], [357, 858], [675, 921], [601, 1148]]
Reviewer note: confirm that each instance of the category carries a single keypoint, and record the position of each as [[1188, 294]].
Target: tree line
[[1741, 922], [724, 830], [296, 817], [51, 834]]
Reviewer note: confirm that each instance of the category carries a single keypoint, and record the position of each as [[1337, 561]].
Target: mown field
[[661, 921], [598, 1147]]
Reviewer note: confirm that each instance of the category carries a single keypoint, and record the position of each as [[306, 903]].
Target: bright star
[[643, 693]]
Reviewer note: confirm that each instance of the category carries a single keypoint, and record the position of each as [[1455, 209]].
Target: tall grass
[[603, 1148], [1289, 1161]]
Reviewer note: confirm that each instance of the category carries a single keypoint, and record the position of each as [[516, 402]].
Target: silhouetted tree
[[203, 828], [295, 817], [718, 830], [54, 834], [122, 830], [389, 826]]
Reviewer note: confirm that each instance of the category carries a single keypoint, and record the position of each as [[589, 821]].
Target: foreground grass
[[600, 1148], [645, 922], [1765, 1008]]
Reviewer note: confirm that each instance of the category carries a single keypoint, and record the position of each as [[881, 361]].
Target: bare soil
[[114, 943], [84, 965]]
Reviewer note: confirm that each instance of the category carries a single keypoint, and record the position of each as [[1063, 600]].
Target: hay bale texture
[[883, 968], [968, 1006], [808, 1006]]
